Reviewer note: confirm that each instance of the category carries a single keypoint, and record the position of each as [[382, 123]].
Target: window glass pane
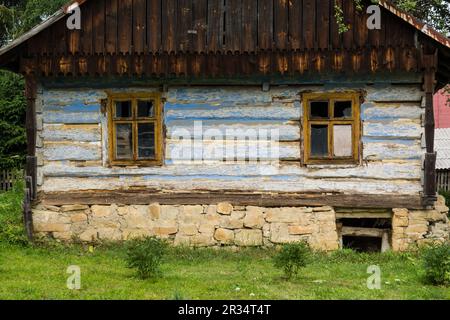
[[145, 109], [342, 143], [123, 109], [146, 141], [319, 110], [343, 109], [319, 141], [124, 141]]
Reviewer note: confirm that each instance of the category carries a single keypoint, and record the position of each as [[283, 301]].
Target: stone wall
[[225, 225], [201, 225], [420, 227]]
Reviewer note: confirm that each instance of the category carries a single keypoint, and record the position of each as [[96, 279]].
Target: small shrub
[[436, 262], [146, 256], [292, 257]]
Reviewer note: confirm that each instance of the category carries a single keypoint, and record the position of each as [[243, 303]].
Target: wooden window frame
[[135, 120], [354, 121]]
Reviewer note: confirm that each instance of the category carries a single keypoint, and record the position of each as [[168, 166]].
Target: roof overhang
[[416, 23]]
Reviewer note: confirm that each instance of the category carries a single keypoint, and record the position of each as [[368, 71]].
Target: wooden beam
[[364, 215], [145, 197], [429, 64], [363, 232], [31, 165]]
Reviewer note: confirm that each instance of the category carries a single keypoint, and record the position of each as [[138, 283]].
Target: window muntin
[[135, 129], [331, 128]]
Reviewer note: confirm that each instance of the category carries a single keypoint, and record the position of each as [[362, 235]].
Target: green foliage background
[[16, 17], [12, 117]]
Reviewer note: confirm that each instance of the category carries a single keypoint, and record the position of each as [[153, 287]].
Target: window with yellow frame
[[135, 129], [331, 128]]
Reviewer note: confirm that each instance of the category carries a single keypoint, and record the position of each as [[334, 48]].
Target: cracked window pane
[[343, 109], [145, 109]]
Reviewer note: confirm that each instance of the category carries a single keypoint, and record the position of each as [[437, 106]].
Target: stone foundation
[[419, 227], [225, 225]]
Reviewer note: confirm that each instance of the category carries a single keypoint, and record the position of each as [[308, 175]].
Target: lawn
[[40, 273]]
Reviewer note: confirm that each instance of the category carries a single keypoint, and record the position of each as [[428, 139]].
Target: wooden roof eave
[[416, 23], [8, 52]]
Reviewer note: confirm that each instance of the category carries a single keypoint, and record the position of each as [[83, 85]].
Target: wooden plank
[[185, 25], [213, 111], [430, 188], [388, 171], [111, 27], [169, 26], [200, 15], [144, 197], [296, 24], [125, 27], [98, 26], [363, 232], [249, 26], [391, 149], [361, 32], [233, 26], [336, 37], [364, 215], [74, 41], [309, 23], [59, 41], [239, 130], [87, 29], [56, 151], [81, 133], [215, 25], [323, 24], [281, 24], [349, 19], [265, 24], [154, 25], [220, 150], [139, 26], [397, 129], [391, 111], [276, 184]]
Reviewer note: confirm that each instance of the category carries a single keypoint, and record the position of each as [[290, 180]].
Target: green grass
[[40, 273], [11, 225]]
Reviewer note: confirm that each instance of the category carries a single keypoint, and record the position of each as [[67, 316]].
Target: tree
[[12, 119], [16, 17], [433, 12]]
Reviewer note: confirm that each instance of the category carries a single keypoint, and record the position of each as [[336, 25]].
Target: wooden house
[[233, 122]]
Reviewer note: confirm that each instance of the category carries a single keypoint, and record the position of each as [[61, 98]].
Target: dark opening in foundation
[[362, 244], [365, 234]]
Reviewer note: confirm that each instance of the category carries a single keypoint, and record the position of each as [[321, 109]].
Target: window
[[331, 128], [135, 129]]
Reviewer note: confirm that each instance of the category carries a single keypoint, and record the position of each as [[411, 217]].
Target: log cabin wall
[[73, 144]]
